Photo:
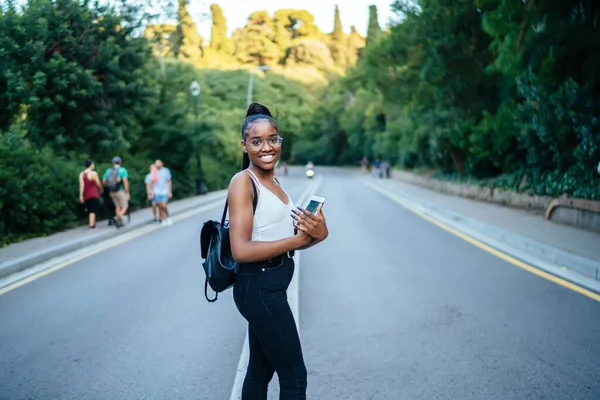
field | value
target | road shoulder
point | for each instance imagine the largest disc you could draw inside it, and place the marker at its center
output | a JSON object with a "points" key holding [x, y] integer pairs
{"points": [[574, 271], [18, 257]]}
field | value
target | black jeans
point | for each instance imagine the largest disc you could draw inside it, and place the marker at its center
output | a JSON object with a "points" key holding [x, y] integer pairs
{"points": [[260, 295]]}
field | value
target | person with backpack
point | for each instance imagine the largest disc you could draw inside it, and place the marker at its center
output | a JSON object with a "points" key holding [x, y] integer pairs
{"points": [[116, 181], [263, 241]]}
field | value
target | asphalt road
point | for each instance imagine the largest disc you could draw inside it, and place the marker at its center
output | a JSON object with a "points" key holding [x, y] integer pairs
{"points": [[391, 307]]}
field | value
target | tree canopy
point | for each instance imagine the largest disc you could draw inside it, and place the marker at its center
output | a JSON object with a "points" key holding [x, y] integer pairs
{"points": [[499, 91]]}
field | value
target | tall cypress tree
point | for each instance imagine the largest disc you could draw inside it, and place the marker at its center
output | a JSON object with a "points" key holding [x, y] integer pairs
{"points": [[338, 33], [338, 41], [189, 41], [355, 45], [374, 29], [218, 37]]}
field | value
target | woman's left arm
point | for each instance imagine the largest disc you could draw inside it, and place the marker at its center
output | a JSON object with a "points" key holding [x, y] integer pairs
{"points": [[97, 179]]}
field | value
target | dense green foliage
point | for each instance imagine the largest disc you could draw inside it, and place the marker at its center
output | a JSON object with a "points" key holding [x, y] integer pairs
{"points": [[80, 85], [500, 91], [32, 199]]}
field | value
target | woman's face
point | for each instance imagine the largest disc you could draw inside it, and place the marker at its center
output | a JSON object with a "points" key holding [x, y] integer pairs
{"points": [[263, 145], [92, 166]]}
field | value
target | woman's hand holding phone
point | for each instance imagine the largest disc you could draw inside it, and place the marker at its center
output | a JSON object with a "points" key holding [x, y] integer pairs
{"points": [[313, 225]]}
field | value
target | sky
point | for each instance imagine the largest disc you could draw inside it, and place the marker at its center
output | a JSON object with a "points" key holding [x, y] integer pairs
{"points": [[352, 12]]}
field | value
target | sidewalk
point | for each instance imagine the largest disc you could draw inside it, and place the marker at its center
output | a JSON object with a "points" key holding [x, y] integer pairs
{"points": [[18, 256], [525, 233]]}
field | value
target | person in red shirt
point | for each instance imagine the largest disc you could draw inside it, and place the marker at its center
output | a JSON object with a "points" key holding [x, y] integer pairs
{"points": [[89, 190]]}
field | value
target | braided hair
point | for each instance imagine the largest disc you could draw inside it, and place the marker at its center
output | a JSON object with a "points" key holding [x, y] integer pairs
{"points": [[256, 112]]}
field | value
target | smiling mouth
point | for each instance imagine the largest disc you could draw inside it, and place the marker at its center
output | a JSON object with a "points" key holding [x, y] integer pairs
{"points": [[267, 157]]}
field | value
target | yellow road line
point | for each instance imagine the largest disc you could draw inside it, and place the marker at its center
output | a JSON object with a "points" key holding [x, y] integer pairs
{"points": [[487, 248]]}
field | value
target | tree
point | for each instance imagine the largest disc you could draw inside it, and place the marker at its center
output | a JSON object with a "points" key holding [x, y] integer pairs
{"points": [[162, 37], [254, 44], [298, 23], [549, 81], [189, 44], [355, 45], [219, 40], [373, 29], [308, 52], [74, 75], [338, 46]]}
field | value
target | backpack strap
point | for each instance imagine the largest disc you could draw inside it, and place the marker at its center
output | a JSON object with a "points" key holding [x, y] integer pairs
{"points": [[254, 202], [206, 292]]}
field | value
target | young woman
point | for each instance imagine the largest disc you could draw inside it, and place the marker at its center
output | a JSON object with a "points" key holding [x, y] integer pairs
{"points": [[89, 190], [264, 244]]}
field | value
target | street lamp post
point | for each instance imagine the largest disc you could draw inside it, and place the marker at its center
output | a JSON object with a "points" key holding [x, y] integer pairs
{"points": [[200, 185], [251, 83]]}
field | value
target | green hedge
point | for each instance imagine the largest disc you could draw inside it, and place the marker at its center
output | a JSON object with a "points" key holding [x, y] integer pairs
{"points": [[38, 194], [553, 184]]}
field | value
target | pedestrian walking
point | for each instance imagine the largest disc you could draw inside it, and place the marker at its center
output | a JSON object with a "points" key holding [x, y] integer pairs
{"points": [[89, 191], [385, 169], [264, 244], [163, 191], [116, 180], [150, 180], [364, 163], [376, 170]]}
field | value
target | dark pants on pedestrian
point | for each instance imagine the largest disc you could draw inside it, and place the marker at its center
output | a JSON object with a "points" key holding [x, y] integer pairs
{"points": [[260, 295]]}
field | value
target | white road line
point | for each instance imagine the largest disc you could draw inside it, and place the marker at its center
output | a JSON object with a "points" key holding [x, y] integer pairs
{"points": [[293, 298], [236, 392], [294, 291]]}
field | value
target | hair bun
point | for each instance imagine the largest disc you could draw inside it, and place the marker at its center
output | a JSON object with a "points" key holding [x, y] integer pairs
{"points": [[257, 108]]}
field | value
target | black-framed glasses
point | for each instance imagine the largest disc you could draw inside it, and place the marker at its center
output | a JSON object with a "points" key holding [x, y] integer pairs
{"points": [[258, 143]]}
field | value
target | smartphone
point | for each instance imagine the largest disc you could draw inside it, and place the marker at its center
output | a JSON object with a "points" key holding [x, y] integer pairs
{"points": [[313, 204]]}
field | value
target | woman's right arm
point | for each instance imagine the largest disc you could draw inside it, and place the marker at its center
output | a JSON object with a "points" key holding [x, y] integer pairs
{"points": [[243, 248], [81, 186]]}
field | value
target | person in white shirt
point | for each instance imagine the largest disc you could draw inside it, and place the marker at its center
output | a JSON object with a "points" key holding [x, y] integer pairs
{"points": [[266, 228]]}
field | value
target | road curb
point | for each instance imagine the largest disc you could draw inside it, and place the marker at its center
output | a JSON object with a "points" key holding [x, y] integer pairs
{"points": [[21, 263], [573, 268]]}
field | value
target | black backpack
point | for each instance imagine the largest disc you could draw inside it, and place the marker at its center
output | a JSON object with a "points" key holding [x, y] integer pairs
{"points": [[219, 265]]}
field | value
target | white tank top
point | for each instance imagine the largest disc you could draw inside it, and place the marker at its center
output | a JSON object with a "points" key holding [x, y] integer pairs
{"points": [[272, 218]]}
